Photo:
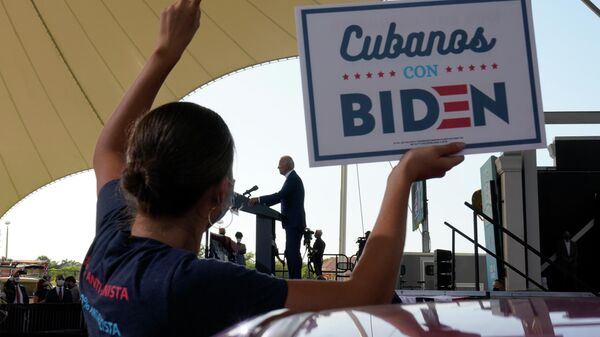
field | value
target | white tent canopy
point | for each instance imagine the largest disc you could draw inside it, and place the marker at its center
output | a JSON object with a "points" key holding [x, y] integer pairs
{"points": [[65, 64]]}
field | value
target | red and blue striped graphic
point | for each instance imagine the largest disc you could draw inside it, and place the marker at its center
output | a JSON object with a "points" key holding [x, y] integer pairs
{"points": [[454, 107]]}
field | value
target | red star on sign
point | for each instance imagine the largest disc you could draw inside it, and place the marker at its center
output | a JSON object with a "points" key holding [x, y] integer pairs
{"points": [[471, 67], [483, 66], [494, 66], [381, 73], [449, 69], [460, 68], [369, 75], [392, 73], [357, 76], [346, 77]]}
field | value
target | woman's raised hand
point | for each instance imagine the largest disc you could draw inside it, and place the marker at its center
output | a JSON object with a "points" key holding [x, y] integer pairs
{"points": [[178, 24]]}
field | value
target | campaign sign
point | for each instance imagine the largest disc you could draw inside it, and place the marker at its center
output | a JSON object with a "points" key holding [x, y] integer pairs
{"points": [[382, 78]]}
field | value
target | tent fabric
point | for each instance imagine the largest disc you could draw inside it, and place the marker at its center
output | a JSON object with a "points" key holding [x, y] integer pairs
{"points": [[65, 64]]}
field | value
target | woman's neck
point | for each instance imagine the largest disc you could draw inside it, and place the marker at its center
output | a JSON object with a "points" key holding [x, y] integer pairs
{"points": [[178, 232]]}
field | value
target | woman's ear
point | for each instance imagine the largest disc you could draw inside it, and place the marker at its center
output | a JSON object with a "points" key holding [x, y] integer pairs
{"points": [[213, 197], [221, 189], [212, 200]]}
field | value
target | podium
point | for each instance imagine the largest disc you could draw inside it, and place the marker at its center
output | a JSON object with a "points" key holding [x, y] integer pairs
{"points": [[265, 231]]}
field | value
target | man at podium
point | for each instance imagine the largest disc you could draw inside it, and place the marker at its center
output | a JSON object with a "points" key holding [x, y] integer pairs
{"points": [[291, 197]]}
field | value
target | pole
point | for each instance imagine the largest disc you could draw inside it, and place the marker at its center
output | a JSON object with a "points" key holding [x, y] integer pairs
{"points": [[6, 252], [476, 252], [425, 239], [592, 7], [343, 201], [453, 260], [206, 243]]}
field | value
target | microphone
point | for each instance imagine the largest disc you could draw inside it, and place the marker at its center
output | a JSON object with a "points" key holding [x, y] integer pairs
{"points": [[252, 189]]}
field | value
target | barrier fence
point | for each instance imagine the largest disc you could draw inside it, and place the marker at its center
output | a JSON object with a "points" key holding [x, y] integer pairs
{"points": [[64, 319], [343, 265]]}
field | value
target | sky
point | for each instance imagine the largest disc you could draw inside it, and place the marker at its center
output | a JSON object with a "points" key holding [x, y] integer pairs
{"points": [[263, 107]]}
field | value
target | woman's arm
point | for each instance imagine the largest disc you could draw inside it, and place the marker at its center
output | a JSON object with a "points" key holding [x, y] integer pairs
{"points": [[178, 24], [374, 277]]}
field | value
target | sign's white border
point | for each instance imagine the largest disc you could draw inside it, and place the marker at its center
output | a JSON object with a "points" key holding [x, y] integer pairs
{"points": [[317, 159]]}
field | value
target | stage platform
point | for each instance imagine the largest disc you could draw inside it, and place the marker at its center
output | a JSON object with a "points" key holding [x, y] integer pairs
{"points": [[417, 296]]}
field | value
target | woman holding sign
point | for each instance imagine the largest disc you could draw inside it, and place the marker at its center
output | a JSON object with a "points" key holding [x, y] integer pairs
{"points": [[142, 277]]}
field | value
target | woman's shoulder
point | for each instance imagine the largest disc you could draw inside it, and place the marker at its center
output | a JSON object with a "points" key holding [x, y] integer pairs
{"points": [[112, 207]]}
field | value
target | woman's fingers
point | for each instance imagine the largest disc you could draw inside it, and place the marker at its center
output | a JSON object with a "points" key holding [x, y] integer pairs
{"points": [[430, 162], [179, 23], [450, 148]]}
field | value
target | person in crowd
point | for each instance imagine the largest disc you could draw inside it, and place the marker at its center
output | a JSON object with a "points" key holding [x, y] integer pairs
{"points": [[41, 291], [317, 251], [362, 241], [59, 294], [498, 285], [291, 197], [165, 180], [240, 256], [222, 247], [566, 257], [2, 294], [71, 284], [15, 292]]}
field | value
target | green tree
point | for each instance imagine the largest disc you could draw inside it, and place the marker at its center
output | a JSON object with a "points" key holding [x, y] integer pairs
{"points": [[201, 251], [65, 267], [250, 260], [69, 264]]}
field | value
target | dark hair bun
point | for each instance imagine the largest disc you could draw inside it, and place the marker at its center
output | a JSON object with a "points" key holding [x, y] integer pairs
{"points": [[137, 182]]}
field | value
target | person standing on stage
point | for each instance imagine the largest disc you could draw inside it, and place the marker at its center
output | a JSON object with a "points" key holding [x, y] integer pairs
{"points": [[566, 257], [317, 251], [291, 197], [240, 255]]}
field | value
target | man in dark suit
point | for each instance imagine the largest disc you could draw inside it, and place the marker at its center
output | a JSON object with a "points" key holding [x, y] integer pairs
{"points": [[566, 257], [15, 292], [59, 294], [291, 197]]}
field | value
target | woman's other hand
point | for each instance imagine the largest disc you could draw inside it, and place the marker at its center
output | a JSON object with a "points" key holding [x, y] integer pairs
{"points": [[429, 162]]}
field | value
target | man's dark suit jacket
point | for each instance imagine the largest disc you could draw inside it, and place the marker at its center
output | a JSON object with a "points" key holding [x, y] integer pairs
{"points": [[11, 294], [52, 296], [291, 198], [564, 256]]}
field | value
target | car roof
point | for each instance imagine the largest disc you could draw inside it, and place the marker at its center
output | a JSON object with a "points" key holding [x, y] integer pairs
{"points": [[485, 317]]}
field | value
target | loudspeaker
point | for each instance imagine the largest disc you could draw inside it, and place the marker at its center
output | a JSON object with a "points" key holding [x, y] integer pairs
{"points": [[576, 153], [442, 264]]}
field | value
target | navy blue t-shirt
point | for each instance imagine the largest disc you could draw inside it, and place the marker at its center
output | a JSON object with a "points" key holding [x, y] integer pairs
{"points": [[133, 286]]}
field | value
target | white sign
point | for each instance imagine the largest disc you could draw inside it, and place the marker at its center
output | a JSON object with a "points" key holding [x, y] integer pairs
{"points": [[382, 78]]}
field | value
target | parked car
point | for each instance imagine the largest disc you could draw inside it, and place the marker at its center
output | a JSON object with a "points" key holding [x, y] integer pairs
{"points": [[569, 317]]}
